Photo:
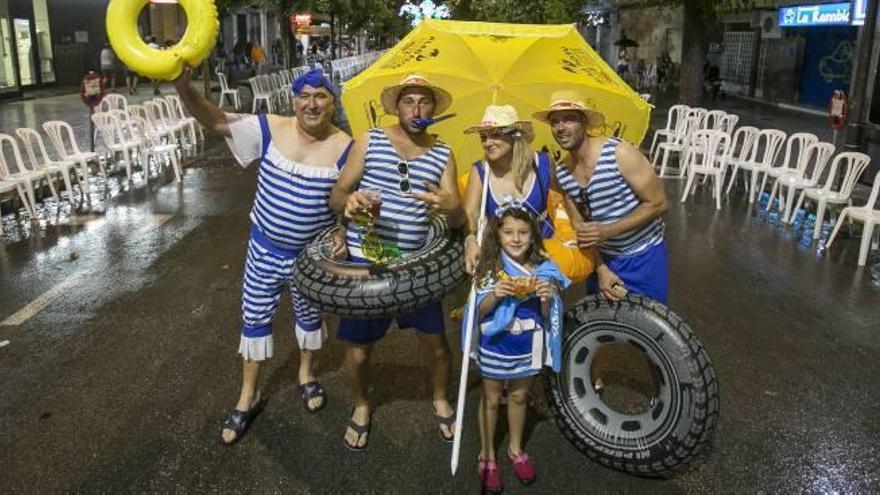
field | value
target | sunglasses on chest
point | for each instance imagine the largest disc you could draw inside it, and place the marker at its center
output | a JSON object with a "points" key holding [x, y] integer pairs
{"points": [[403, 172]]}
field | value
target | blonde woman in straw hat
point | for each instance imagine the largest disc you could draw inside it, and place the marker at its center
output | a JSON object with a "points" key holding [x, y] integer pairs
{"points": [[515, 172], [614, 198]]}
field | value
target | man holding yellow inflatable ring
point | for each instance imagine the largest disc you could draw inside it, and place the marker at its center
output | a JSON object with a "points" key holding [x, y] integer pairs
{"points": [[300, 161]]}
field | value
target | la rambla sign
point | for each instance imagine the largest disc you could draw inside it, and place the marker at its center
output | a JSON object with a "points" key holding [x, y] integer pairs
{"points": [[828, 14]]}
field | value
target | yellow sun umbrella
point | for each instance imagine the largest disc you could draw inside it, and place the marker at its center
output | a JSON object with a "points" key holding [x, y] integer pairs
{"points": [[482, 63]]}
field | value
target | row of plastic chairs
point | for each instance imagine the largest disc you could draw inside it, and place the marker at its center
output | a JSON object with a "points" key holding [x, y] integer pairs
{"points": [[271, 89], [344, 69], [166, 114], [803, 168], [153, 130], [682, 122], [24, 176]]}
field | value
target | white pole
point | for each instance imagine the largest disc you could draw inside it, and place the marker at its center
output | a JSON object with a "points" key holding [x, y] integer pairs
{"points": [[468, 333]]}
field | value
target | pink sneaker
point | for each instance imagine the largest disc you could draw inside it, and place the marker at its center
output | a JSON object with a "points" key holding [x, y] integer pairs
{"points": [[524, 468], [491, 477]]}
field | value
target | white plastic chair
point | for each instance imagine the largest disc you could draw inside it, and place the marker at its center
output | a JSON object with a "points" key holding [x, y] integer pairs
{"points": [[113, 101], [855, 164], [700, 112], [8, 186], [169, 118], [728, 123], [766, 148], [820, 154], [712, 120], [740, 146], [26, 176], [675, 113], [116, 139], [160, 125], [678, 142], [795, 147], [225, 90], [178, 112], [868, 215], [260, 94], [57, 131], [152, 147], [709, 162], [283, 91], [40, 160]]}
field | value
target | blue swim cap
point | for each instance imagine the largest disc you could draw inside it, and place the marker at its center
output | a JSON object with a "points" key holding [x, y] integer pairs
{"points": [[314, 78]]}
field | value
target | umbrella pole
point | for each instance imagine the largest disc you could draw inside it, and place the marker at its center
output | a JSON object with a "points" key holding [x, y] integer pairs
{"points": [[468, 334]]}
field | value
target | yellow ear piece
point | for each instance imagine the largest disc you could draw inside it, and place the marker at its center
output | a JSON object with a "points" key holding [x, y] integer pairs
{"points": [[193, 48]]}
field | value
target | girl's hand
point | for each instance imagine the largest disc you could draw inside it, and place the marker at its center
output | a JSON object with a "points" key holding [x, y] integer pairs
{"points": [[544, 290], [504, 288], [471, 255]]}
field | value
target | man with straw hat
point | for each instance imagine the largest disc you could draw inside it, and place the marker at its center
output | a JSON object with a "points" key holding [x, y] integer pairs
{"points": [[411, 174], [615, 199]]}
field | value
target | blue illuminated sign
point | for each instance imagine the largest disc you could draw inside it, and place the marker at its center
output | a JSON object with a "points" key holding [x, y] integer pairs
{"points": [[859, 7], [827, 14]]}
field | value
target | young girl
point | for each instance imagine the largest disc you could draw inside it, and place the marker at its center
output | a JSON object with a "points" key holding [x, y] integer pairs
{"points": [[519, 331]]}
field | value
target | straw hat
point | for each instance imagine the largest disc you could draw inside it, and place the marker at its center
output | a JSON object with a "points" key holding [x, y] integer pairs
{"points": [[571, 100], [390, 95], [502, 117]]}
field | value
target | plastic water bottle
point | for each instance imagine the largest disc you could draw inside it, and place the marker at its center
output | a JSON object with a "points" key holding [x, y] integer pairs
{"points": [[798, 221], [762, 203], [824, 234], [773, 217], [807, 236]]}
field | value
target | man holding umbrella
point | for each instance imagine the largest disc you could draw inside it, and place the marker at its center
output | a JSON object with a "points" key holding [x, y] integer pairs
{"points": [[412, 174], [615, 199]]}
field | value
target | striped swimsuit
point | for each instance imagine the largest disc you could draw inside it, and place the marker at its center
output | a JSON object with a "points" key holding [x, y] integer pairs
{"points": [[535, 198], [515, 353], [404, 219], [290, 209], [637, 256], [403, 222]]}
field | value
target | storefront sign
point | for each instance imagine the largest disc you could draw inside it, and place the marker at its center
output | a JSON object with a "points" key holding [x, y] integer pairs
{"points": [[829, 14], [300, 23]]}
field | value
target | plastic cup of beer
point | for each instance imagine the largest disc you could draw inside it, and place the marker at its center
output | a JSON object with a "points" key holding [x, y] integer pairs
{"points": [[375, 197]]}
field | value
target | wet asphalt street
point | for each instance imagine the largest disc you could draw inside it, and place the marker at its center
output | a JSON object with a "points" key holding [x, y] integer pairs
{"points": [[122, 326]]}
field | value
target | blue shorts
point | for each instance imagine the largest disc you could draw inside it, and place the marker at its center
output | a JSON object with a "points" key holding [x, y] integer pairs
{"points": [[645, 273], [428, 319]]}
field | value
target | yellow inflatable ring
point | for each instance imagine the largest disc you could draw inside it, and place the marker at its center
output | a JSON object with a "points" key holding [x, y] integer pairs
{"points": [[197, 42], [576, 264]]}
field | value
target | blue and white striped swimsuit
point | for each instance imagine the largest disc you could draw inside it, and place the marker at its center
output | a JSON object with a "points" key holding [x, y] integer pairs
{"points": [[514, 353], [609, 198], [404, 220], [292, 201], [290, 209]]}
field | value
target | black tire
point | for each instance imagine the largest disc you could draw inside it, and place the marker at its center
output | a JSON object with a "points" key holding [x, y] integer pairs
{"points": [[375, 291], [679, 420]]}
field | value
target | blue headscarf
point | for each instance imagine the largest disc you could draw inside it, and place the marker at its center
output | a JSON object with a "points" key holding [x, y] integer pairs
{"points": [[314, 78]]}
